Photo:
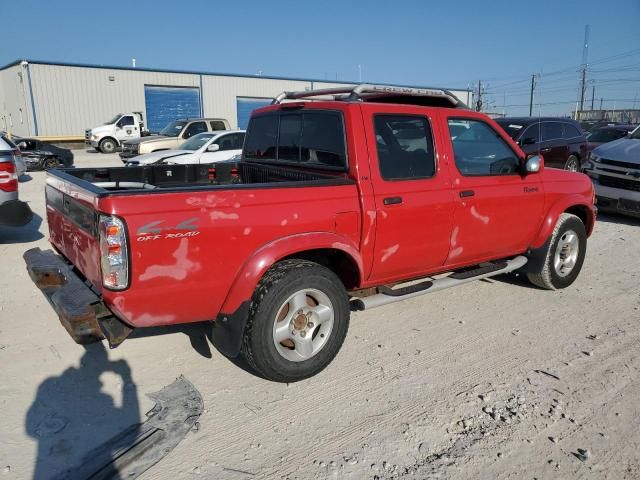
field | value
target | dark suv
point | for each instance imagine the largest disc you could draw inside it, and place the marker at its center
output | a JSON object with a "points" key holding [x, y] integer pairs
{"points": [[561, 141]]}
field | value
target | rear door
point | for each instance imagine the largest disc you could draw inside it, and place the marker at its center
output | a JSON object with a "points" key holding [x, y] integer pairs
{"points": [[498, 210], [413, 198], [554, 147]]}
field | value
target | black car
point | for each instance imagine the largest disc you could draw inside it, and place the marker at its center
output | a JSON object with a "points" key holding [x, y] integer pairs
{"points": [[591, 125], [561, 141], [39, 155]]}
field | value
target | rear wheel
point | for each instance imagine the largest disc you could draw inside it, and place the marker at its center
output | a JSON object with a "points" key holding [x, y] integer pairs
{"points": [[572, 164], [565, 255], [108, 145], [298, 320]]}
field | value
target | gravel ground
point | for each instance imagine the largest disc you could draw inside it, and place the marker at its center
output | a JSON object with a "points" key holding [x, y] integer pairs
{"points": [[495, 379]]}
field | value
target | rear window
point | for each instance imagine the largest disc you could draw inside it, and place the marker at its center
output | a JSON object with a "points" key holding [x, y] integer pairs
{"points": [[571, 131], [312, 138]]}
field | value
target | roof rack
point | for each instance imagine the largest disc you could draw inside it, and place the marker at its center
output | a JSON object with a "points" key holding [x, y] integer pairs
{"points": [[378, 93]]}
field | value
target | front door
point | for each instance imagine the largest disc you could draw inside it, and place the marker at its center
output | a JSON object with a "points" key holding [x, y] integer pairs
{"points": [[413, 198], [127, 128], [230, 145], [498, 209]]}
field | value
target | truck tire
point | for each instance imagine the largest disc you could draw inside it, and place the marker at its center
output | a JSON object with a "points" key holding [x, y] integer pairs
{"points": [[565, 254], [108, 145], [298, 320]]}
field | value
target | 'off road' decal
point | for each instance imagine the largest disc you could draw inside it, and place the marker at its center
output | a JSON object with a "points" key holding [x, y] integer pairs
{"points": [[156, 230]]}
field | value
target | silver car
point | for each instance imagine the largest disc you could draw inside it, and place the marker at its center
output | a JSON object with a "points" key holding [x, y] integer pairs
{"points": [[13, 212], [614, 168]]}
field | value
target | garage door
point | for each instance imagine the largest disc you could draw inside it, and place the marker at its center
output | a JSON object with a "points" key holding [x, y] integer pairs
{"points": [[246, 105], [166, 104]]}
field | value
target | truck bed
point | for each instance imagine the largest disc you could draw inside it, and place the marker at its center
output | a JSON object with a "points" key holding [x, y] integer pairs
{"points": [[165, 178]]}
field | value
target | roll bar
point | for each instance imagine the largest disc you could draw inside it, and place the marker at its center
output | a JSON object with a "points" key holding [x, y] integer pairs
{"points": [[377, 93]]}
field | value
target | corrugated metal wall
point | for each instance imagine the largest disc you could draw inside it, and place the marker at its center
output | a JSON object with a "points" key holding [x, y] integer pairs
{"points": [[68, 99], [15, 105]]}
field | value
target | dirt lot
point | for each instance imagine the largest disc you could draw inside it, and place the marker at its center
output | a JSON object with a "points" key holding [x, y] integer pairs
{"points": [[495, 379]]}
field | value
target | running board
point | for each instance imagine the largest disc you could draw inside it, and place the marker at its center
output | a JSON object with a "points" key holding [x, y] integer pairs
{"points": [[452, 280]]}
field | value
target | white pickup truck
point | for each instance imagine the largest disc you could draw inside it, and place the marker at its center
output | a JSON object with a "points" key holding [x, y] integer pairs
{"points": [[108, 137]]}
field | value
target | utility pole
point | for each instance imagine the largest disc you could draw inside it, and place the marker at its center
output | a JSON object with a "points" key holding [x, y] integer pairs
{"points": [[479, 101], [593, 95], [601, 99], [533, 86], [585, 54]]}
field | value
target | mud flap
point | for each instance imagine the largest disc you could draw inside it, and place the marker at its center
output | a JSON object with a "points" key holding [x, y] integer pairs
{"points": [[135, 450]]}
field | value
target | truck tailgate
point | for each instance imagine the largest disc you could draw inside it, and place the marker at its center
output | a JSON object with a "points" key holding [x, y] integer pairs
{"points": [[73, 227]]}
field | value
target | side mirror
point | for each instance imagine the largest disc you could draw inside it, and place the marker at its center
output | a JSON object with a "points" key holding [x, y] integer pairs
{"points": [[214, 147], [533, 164], [528, 141]]}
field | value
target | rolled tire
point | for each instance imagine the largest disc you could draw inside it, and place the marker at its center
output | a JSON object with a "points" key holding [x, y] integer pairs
{"points": [[108, 145], [572, 164], [298, 320], [565, 255]]}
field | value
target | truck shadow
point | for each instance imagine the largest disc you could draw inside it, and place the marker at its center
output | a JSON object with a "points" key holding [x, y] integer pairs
{"points": [[25, 234], [199, 335], [71, 415]]}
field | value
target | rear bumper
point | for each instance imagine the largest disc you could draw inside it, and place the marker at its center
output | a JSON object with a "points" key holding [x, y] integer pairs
{"points": [[79, 308], [15, 213]]}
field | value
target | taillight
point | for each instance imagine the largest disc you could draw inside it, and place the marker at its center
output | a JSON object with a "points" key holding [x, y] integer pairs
{"points": [[113, 253], [8, 177]]}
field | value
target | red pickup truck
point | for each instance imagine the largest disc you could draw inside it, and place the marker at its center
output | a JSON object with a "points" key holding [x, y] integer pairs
{"points": [[344, 199]]}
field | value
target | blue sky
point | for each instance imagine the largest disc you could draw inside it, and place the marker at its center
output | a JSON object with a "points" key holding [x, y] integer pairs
{"points": [[448, 44]]}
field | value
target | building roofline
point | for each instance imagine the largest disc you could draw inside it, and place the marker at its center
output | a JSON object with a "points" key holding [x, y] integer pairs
{"points": [[195, 72]]}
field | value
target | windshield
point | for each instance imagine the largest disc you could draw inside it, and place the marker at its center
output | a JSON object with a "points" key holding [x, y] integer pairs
{"points": [[635, 134], [114, 119], [512, 129], [196, 142], [173, 129], [605, 135]]}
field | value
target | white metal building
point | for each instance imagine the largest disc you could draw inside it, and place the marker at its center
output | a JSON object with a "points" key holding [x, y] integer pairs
{"points": [[63, 99]]}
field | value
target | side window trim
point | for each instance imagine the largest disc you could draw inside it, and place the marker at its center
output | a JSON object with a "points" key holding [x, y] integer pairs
{"points": [[429, 123]]}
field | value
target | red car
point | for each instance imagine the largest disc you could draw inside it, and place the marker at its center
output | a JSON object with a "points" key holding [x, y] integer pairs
{"points": [[347, 202]]}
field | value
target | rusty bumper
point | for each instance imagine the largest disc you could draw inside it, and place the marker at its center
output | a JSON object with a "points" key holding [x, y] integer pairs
{"points": [[79, 308]]}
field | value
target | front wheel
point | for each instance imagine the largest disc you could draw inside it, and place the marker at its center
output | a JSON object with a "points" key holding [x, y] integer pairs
{"points": [[298, 320], [565, 255], [108, 145], [49, 163]]}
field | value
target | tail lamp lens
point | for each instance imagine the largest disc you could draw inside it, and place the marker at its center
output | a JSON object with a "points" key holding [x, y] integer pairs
{"points": [[8, 177], [113, 253]]}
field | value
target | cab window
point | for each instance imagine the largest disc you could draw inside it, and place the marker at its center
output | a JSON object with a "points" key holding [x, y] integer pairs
{"points": [[126, 121], [405, 147], [195, 128], [217, 125], [481, 151]]}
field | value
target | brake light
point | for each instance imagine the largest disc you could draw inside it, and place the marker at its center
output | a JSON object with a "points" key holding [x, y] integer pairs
{"points": [[8, 177], [113, 253]]}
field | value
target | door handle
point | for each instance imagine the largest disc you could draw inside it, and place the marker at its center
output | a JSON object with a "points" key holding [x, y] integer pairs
{"points": [[467, 193], [545, 150], [392, 200]]}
